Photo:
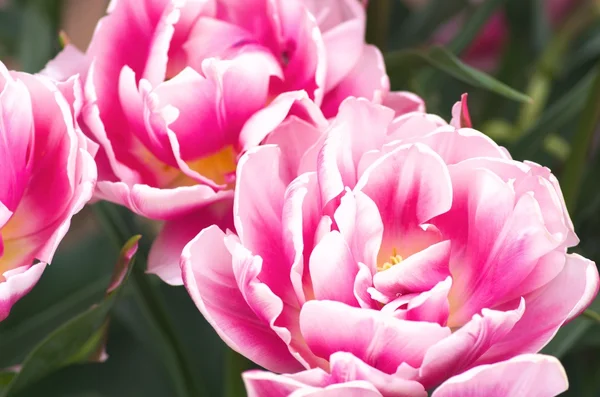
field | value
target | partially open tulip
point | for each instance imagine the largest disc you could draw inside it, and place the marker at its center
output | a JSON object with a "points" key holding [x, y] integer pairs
{"points": [[170, 84], [46, 176], [418, 249]]}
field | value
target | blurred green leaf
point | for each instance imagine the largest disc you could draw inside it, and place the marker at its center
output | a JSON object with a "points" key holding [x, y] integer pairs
{"points": [[401, 65], [553, 119], [569, 334], [235, 364], [38, 38], [422, 23], [573, 174], [477, 19], [78, 339]]}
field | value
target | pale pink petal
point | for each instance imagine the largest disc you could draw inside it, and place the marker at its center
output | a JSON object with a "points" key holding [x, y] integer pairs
{"points": [[258, 207], [294, 137], [333, 270], [345, 367], [165, 254], [16, 285], [417, 273], [367, 79], [266, 120], [303, 228], [358, 220], [380, 340], [431, 306], [150, 202], [531, 375], [266, 384], [461, 350], [69, 62], [576, 285], [359, 127], [403, 102], [208, 275]]}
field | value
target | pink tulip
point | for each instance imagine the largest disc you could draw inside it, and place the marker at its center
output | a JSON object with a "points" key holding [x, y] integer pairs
{"points": [[46, 176], [416, 249], [170, 84]]}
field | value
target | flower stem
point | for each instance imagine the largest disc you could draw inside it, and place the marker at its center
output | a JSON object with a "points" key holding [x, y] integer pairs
{"points": [[152, 306], [592, 315]]}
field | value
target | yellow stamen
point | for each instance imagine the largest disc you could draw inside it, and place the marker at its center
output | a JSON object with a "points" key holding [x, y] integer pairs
{"points": [[393, 261]]}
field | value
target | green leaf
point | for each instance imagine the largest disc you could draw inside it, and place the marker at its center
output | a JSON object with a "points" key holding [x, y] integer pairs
{"points": [[401, 65], [235, 364], [553, 119], [572, 176], [79, 339]]}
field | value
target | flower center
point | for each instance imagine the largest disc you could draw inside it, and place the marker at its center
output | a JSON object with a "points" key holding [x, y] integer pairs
{"points": [[217, 166], [393, 261]]}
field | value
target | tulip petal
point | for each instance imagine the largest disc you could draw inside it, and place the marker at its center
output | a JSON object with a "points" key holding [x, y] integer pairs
{"points": [[376, 338], [531, 375], [333, 270], [17, 283], [165, 254], [208, 275], [367, 79], [461, 350], [410, 186], [577, 285], [346, 142]]}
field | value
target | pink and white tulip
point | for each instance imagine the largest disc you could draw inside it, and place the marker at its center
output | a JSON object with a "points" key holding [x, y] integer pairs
{"points": [[401, 249], [169, 85], [46, 176]]}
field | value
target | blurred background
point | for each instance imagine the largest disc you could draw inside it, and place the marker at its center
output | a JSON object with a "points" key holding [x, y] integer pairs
{"points": [[546, 49]]}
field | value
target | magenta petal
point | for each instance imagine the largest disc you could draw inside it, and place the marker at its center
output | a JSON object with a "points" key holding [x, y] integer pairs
{"points": [[461, 350], [18, 283], [378, 339], [17, 137], [208, 275], [531, 375]]}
